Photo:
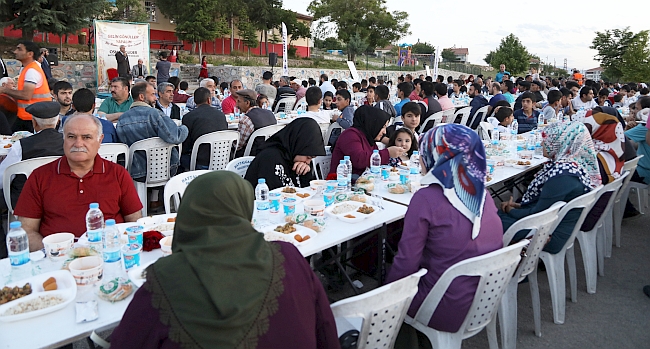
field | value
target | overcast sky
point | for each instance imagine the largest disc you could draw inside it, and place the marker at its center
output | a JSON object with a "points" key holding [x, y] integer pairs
{"points": [[480, 25]]}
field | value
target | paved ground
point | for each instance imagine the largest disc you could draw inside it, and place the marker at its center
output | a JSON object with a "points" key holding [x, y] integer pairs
{"points": [[617, 316]]}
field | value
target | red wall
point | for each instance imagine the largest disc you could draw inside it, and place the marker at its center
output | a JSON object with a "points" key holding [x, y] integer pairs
{"points": [[218, 46]]}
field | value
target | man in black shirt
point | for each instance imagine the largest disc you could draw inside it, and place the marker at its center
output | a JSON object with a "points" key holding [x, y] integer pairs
{"points": [[200, 121]]}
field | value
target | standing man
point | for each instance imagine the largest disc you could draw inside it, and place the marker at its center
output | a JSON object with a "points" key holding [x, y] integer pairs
{"points": [[45, 64], [139, 70], [63, 94], [162, 68], [502, 71], [122, 62], [265, 88], [164, 103], [325, 85], [32, 85]]}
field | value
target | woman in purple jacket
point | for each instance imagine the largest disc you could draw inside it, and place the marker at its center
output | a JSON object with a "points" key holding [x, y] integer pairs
{"points": [[358, 142], [451, 220]]}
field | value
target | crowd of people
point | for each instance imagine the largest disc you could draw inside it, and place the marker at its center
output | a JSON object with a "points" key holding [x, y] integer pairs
{"points": [[216, 251]]}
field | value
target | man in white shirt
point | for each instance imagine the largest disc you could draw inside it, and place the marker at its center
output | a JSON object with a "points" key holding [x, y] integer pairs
{"points": [[314, 99], [585, 99], [325, 85]]}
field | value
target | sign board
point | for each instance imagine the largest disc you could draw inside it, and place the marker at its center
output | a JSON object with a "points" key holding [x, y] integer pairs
{"points": [[109, 36], [353, 71]]}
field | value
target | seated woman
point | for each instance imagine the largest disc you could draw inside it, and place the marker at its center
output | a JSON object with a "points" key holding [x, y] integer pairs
{"points": [[285, 158], [451, 220], [224, 286], [571, 172], [358, 142]]}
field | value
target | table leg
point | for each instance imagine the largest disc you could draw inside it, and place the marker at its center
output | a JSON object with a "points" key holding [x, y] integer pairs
{"points": [[381, 255]]}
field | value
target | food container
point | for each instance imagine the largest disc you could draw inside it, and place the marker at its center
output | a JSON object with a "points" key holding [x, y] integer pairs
{"points": [[134, 235], [385, 172], [274, 199], [498, 160], [526, 154], [314, 208], [131, 254], [289, 206], [315, 184], [87, 270], [166, 245], [58, 246], [404, 176]]}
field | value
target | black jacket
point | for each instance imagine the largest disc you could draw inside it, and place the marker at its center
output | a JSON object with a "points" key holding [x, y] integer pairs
{"points": [[176, 111]]}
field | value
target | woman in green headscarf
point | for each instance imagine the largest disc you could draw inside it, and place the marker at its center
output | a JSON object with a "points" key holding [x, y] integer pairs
{"points": [[224, 286]]}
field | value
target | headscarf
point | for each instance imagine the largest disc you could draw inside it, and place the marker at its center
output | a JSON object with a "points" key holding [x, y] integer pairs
{"points": [[608, 136], [571, 151], [302, 136], [454, 158], [220, 286], [370, 121]]}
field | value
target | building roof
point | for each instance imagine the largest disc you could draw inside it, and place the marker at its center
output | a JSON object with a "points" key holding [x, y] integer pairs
{"points": [[594, 70], [304, 17], [386, 48], [459, 51]]}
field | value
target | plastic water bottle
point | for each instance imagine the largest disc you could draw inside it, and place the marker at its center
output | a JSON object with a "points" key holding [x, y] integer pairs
{"points": [[94, 226], [342, 176], [18, 248], [265, 105], [348, 164], [262, 205], [495, 136], [414, 163], [375, 163], [112, 253], [303, 107], [530, 141], [226, 93], [515, 126], [540, 119], [538, 143]]}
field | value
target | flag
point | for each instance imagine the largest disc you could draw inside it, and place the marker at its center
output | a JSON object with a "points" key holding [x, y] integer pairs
{"points": [[285, 60]]}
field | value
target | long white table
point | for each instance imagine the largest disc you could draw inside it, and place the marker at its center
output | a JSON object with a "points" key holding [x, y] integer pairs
{"points": [[59, 328]]}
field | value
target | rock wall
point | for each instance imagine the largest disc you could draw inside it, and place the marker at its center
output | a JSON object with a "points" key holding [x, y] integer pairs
{"points": [[79, 74]]}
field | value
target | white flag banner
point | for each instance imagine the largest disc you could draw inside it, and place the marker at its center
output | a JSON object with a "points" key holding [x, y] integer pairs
{"points": [[435, 63], [285, 59], [353, 71]]}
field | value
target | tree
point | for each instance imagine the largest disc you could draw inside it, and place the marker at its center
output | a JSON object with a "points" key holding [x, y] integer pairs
{"points": [[127, 11], [512, 53], [331, 44], [265, 15], [488, 57], [195, 19], [356, 45], [423, 48], [612, 45], [369, 19], [52, 16], [248, 33], [636, 59], [295, 28], [448, 55]]}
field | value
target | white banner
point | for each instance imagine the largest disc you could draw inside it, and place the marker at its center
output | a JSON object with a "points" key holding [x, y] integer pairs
{"points": [[435, 63], [285, 59], [109, 36], [353, 71]]}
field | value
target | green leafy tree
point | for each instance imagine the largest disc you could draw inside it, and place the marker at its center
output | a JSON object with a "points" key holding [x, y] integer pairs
{"points": [[265, 15], [356, 46], [512, 53], [423, 48], [332, 44], [612, 45], [52, 16], [448, 55], [295, 28], [127, 11], [248, 33], [369, 19], [636, 59], [488, 57]]}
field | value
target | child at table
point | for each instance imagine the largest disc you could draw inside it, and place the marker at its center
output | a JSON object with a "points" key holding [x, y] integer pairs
{"points": [[263, 101], [328, 97], [410, 119], [502, 119], [405, 139]]}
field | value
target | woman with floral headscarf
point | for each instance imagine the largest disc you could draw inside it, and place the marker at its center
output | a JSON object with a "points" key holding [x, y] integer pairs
{"points": [[450, 220], [571, 172]]}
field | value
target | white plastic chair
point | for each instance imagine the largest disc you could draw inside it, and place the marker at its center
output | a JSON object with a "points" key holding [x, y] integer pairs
{"points": [[641, 190], [158, 157], [480, 114], [25, 167], [221, 147], [464, 114], [321, 166], [111, 151], [287, 104], [495, 270], [297, 104], [592, 243], [330, 129], [484, 130], [555, 262], [176, 186], [240, 165], [541, 225], [436, 118], [619, 206], [265, 132], [382, 309], [448, 116]]}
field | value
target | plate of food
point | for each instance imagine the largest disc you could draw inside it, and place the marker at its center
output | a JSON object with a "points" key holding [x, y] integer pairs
{"points": [[289, 232], [522, 164], [138, 275], [37, 295], [294, 192], [163, 223], [352, 211]]}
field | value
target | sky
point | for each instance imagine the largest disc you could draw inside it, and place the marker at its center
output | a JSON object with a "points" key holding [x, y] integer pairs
{"points": [[565, 34]]}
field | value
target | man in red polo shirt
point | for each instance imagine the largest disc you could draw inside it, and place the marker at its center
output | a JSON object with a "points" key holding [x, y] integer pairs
{"points": [[57, 195]]}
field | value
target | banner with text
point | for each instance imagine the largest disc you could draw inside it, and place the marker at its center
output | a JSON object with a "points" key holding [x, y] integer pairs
{"points": [[285, 59], [109, 36]]}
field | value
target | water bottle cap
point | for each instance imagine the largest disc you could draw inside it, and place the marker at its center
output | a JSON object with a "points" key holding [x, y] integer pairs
{"points": [[342, 162], [261, 180], [14, 225], [415, 152], [94, 205], [346, 157], [375, 151], [110, 222]]}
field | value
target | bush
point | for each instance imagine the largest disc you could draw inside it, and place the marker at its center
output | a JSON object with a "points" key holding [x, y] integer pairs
{"points": [[187, 59], [291, 51], [236, 53]]}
